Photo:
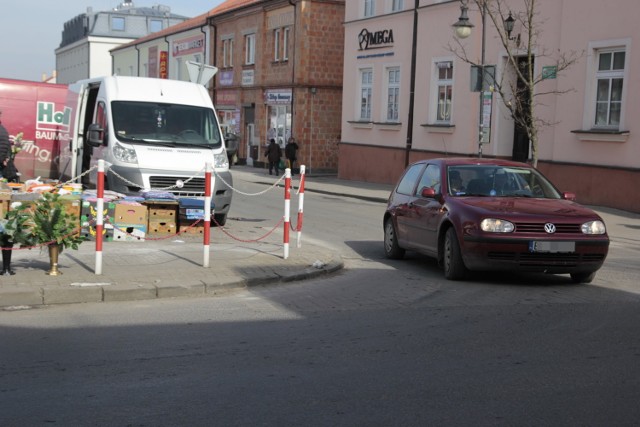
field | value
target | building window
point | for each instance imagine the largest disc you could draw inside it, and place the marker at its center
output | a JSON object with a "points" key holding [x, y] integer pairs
{"points": [[155, 25], [250, 49], [609, 85], [393, 93], [369, 8], [276, 44], [285, 44], [117, 23], [444, 72], [366, 88], [227, 53], [397, 5], [279, 123]]}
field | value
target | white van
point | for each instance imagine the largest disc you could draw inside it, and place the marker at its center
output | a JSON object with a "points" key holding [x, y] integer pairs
{"points": [[151, 133]]}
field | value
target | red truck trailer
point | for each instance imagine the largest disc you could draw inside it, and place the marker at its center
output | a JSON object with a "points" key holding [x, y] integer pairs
{"points": [[37, 110]]}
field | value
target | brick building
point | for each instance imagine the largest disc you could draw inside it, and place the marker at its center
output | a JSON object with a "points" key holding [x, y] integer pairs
{"points": [[281, 66]]}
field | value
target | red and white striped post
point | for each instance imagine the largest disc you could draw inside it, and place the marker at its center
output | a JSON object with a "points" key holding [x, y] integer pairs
{"points": [[99, 216], [300, 205], [287, 208], [207, 213]]}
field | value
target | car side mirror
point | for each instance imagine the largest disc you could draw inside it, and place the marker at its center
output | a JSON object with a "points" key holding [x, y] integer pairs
{"points": [[428, 192], [567, 195], [96, 135]]}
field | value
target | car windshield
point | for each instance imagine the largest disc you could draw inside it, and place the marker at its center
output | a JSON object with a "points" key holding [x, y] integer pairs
{"points": [[165, 124], [498, 181]]}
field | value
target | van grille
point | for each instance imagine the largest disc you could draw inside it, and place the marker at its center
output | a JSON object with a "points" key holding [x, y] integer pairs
{"points": [[194, 187]]}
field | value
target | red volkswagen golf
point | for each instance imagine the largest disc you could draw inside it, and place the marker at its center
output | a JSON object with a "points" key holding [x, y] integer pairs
{"points": [[492, 215]]}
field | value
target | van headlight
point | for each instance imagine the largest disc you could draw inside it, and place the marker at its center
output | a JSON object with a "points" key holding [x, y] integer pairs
{"points": [[593, 227], [220, 161], [127, 155], [493, 225]]}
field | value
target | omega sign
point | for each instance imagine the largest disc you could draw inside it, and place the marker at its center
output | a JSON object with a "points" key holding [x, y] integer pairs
{"points": [[375, 40]]}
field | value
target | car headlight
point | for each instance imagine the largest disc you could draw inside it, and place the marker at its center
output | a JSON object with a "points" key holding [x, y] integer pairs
{"points": [[493, 225], [220, 161], [127, 155], [593, 227]]}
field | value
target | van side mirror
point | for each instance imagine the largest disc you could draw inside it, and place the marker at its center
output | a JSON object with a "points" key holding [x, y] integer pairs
{"points": [[96, 135], [428, 192]]}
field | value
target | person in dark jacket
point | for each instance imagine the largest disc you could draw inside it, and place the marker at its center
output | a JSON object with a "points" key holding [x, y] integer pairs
{"points": [[291, 152], [5, 149], [273, 154]]}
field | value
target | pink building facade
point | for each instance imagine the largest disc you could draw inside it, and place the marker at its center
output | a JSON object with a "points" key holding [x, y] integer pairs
{"points": [[411, 96]]}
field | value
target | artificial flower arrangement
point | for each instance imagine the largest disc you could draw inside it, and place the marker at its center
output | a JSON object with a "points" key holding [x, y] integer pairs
{"points": [[17, 144]]}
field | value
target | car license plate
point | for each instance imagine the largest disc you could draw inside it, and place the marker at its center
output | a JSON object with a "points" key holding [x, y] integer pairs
{"points": [[546, 246]]}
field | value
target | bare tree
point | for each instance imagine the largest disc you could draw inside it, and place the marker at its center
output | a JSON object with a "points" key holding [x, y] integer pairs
{"points": [[517, 87]]}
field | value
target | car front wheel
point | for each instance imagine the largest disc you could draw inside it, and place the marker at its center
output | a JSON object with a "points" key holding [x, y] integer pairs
{"points": [[454, 268], [583, 277], [391, 248]]}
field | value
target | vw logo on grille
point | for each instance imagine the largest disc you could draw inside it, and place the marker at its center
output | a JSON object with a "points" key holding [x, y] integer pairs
{"points": [[549, 228]]}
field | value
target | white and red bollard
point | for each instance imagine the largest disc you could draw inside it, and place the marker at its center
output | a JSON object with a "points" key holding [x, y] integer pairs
{"points": [[207, 213], [99, 216], [300, 206], [287, 208]]}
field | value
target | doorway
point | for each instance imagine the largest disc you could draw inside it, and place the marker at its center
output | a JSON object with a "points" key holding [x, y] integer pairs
{"points": [[521, 141]]}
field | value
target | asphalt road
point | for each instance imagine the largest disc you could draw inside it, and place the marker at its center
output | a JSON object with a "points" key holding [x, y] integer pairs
{"points": [[382, 343]]}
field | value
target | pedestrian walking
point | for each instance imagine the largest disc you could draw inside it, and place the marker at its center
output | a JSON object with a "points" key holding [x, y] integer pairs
{"points": [[7, 168], [273, 155], [291, 153]]}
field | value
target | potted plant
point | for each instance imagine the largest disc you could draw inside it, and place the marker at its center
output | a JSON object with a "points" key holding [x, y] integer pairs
{"points": [[44, 222], [15, 228]]}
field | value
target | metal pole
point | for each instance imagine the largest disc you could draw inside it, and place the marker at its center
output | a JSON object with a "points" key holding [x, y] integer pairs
{"points": [[483, 12]]}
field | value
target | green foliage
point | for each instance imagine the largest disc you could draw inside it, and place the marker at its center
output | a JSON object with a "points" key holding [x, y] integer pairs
{"points": [[44, 221]]}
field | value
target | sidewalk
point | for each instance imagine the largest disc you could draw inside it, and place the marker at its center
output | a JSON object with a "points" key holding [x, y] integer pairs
{"points": [[173, 267]]}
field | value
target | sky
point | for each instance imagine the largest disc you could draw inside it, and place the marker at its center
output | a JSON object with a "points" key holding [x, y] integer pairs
{"points": [[31, 30]]}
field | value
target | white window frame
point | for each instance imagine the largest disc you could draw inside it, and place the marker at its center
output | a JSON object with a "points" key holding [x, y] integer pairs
{"points": [[445, 83], [608, 75], [392, 104], [365, 111], [276, 44], [155, 23], [369, 8], [227, 53], [397, 5], [250, 49], [594, 48], [285, 43]]}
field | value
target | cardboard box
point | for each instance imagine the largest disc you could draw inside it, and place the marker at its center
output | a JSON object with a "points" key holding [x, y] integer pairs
{"points": [[161, 227], [88, 212], [131, 233], [188, 230], [162, 211], [130, 215], [89, 233]]}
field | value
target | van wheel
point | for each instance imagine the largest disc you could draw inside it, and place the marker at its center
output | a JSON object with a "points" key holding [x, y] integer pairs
{"points": [[220, 219], [454, 268]]}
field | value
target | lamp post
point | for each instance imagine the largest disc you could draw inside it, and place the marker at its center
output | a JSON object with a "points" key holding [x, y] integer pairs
{"points": [[463, 30]]}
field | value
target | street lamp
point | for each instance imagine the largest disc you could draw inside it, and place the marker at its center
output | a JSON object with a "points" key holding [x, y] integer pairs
{"points": [[463, 30]]}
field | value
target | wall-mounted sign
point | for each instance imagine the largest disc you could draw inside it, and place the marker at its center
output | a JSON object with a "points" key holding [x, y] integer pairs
{"points": [[281, 96], [376, 40], [188, 46], [226, 78], [549, 72], [248, 77], [164, 64]]}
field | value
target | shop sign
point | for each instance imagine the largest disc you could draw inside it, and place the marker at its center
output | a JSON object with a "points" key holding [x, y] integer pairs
{"points": [[152, 70], [188, 46], [226, 78], [247, 77], [375, 40], [164, 66], [226, 97], [278, 96]]}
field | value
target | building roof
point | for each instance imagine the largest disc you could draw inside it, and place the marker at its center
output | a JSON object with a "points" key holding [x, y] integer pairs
{"points": [[189, 24]]}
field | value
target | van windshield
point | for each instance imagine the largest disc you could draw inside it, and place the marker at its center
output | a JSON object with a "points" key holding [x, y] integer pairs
{"points": [[165, 124]]}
